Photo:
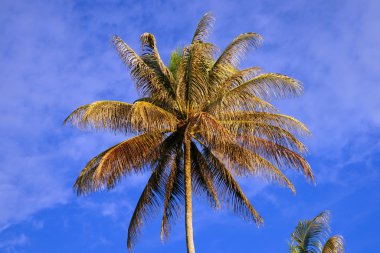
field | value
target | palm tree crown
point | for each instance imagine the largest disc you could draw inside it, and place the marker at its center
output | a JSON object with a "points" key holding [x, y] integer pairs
{"points": [[201, 122], [311, 236]]}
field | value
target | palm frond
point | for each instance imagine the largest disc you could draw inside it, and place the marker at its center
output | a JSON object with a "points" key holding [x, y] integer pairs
{"points": [[148, 117], [140, 116], [240, 101], [112, 115], [174, 195], [174, 62], [229, 60], [268, 86], [152, 58], [230, 190], [204, 28], [148, 81], [272, 133], [277, 154], [280, 120], [140, 72], [294, 249], [85, 182], [334, 244], [211, 134], [309, 234], [244, 162], [237, 79], [203, 179], [147, 205], [183, 77], [264, 86], [193, 75], [154, 191], [209, 129], [107, 168]]}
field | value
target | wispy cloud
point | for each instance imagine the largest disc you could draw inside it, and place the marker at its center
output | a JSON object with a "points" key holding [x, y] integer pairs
{"points": [[11, 244]]}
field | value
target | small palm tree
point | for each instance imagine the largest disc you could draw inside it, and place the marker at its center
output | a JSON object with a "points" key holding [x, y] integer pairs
{"points": [[311, 236], [200, 122]]}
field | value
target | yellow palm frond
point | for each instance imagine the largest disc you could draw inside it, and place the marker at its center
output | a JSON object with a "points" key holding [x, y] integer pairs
{"points": [[277, 154], [230, 58], [140, 116], [238, 102], [193, 75], [244, 162], [147, 117], [152, 58], [334, 245], [174, 195], [269, 132], [149, 82], [112, 115], [265, 86], [105, 169], [204, 28], [230, 190], [280, 120], [154, 190], [237, 79], [203, 178]]}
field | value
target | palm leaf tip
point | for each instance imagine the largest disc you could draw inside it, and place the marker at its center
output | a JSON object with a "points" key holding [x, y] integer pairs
{"points": [[239, 47], [334, 244], [204, 28], [312, 236], [147, 39]]}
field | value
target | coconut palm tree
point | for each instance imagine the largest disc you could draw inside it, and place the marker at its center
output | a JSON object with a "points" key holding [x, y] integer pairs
{"points": [[199, 124], [311, 236]]}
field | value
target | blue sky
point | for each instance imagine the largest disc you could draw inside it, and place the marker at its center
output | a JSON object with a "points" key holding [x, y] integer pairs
{"points": [[57, 55]]}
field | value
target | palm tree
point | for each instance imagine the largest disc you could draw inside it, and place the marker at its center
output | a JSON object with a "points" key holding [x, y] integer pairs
{"points": [[200, 123], [311, 236]]}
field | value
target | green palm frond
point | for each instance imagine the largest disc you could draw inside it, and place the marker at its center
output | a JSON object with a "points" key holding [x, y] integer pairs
{"points": [[174, 62], [310, 234], [264, 86]]}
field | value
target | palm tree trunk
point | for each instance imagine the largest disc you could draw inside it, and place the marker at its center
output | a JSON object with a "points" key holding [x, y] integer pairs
{"points": [[188, 199]]}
